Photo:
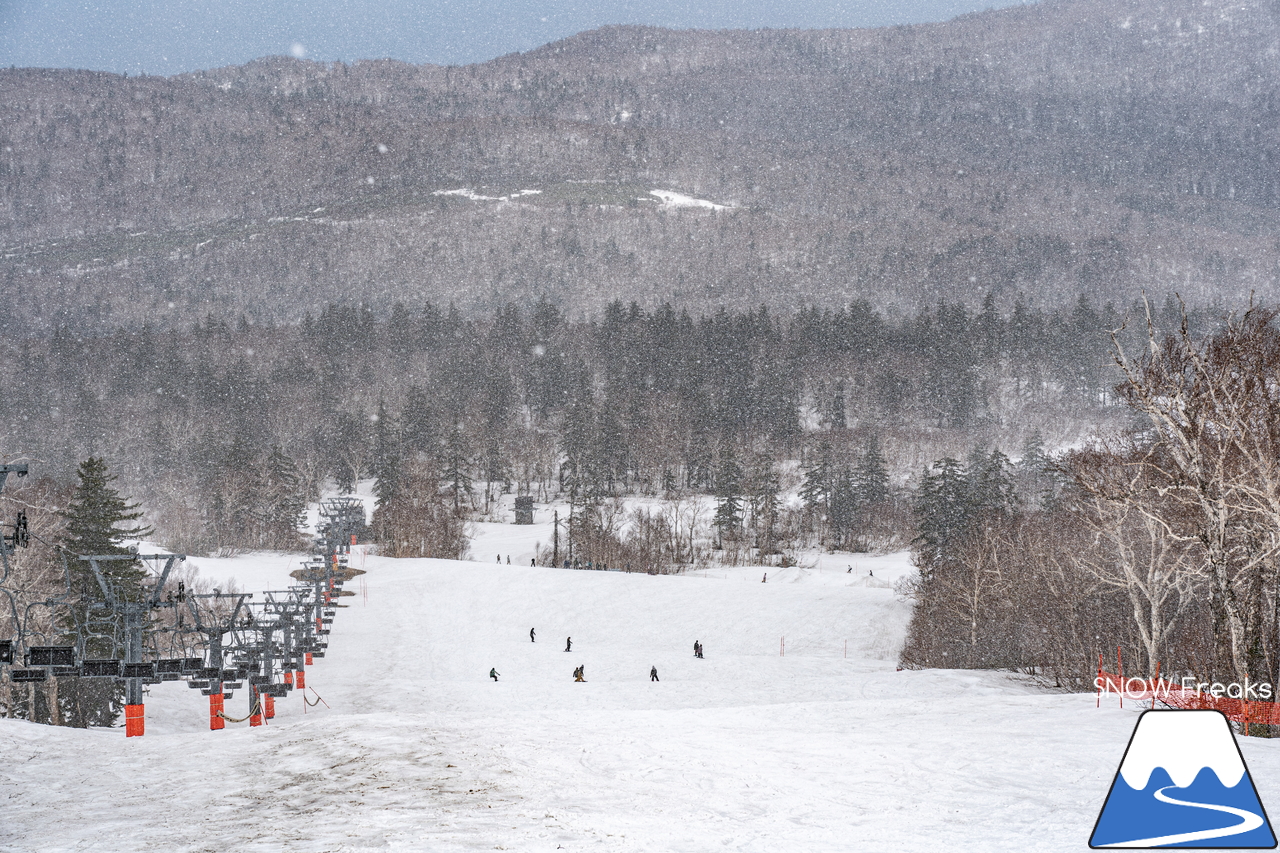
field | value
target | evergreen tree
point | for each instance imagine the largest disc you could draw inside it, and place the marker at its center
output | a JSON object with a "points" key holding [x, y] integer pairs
{"points": [[991, 486], [838, 420], [456, 476], [97, 521], [1037, 484], [284, 504], [94, 516], [843, 517], [387, 458], [728, 517], [943, 511], [766, 505], [871, 480], [816, 489]]}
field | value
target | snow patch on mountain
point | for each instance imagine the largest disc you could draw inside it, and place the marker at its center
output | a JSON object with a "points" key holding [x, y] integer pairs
{"points": [[674, 199]]}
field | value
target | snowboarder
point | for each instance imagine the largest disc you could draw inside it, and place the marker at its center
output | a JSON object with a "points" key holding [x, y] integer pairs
{"points": [[531, 639], [850, 571], [653, 673], [765, 579], [578, 674], [568, 643], [493, 673]]}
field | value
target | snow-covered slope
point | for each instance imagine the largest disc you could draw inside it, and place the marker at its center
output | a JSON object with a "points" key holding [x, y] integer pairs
{"points": [[743, 750]]}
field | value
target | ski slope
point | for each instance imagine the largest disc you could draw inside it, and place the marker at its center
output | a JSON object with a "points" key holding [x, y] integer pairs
{"points": [[745, 750]]}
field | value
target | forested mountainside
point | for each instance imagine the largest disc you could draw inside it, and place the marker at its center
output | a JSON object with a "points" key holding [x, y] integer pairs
{"points": [[1066, 148], [533, 402]]}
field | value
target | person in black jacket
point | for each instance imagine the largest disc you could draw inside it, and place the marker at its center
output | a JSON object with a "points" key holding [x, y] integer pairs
{"points": [[493, 673], [653, 673], [568, 643], [531, 639]]}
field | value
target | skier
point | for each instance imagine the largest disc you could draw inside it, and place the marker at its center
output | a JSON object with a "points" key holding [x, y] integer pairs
{"points": [[765, 579], [578, 674], [493, 673], [653, 673], [568, 643], [531, 639]]}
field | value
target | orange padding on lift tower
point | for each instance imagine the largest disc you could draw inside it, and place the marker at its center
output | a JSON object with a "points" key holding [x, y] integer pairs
{"points": [[269, 706], [134, 722], [309, 661], [215, 713], [300, 679]]}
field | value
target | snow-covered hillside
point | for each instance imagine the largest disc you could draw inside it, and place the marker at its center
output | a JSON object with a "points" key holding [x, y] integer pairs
{"points": [[418, 750]]}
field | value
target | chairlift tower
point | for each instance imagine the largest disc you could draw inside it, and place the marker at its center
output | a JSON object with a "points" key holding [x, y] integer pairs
{"points": [[215, 681], [134, 670], [20, 538], [341, 521]]}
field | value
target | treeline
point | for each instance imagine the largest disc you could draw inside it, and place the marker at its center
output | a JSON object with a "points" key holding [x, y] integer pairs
{"points": [[224, 429], [1163, 539]]}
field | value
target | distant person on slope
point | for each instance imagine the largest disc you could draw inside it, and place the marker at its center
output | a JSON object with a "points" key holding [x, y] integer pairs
{"points": [[568, 643], [653, 673], [493, 673], [531, 639], [765, 579], [578, 674]]}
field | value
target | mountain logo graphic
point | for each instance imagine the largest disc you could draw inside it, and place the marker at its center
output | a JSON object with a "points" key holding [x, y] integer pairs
{"points": [[1183, 783]]}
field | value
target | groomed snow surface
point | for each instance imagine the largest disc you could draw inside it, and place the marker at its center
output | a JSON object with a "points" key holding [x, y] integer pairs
{"points": [[745, 750]]}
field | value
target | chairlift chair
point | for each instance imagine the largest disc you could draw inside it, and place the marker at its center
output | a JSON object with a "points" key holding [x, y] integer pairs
{"points": [[101, 668]]}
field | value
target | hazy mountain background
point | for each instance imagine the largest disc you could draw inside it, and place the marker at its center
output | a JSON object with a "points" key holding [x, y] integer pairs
{"points": [[1067, 148]]}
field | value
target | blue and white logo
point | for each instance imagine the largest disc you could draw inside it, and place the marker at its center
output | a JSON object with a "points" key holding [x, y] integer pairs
{"points": [[1183, 783]]}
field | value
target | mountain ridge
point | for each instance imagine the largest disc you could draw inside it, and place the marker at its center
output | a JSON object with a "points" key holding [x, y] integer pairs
{"points": [[1053, 150]]}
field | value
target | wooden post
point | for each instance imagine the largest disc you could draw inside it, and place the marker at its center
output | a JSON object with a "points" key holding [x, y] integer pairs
{"points": [[782, 647]]}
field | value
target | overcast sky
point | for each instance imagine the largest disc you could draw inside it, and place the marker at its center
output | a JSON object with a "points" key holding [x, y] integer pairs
{"points": [[171, 36]]}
